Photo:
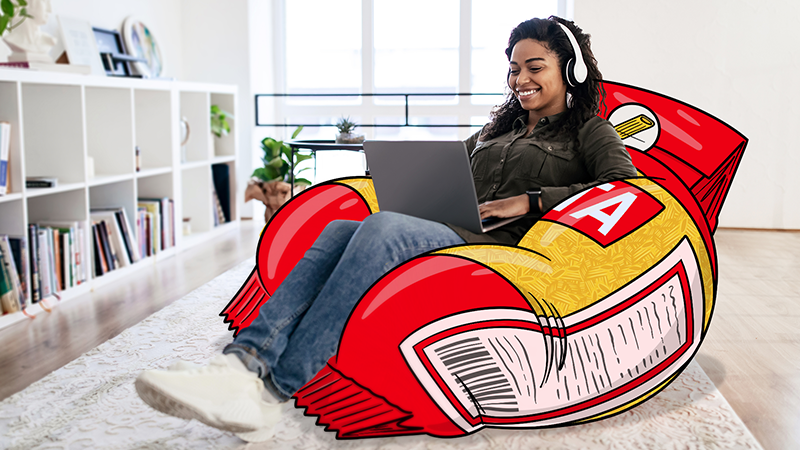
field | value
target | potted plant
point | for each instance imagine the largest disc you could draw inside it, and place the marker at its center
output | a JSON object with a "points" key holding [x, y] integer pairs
{"points": [[270, 183], [219, 121], [8, 11], [346, 135]]}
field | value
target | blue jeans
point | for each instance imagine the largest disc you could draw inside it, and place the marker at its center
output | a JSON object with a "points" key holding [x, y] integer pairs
{"points": [[298, 329]]}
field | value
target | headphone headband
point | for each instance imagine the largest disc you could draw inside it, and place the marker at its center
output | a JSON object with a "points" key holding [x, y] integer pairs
{"points": [[575, 70]]}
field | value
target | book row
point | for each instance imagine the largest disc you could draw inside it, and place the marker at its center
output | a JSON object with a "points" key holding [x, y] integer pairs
{"points": [[53, 256], [5, 144]]}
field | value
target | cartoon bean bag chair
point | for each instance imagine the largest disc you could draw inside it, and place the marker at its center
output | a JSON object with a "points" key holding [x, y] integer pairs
{"points": [[601, 305]]}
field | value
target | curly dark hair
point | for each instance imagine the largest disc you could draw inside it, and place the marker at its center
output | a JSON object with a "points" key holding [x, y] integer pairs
{"points": [[586, 97]]}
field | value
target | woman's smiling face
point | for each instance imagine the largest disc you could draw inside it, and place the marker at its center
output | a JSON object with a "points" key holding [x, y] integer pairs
{"points": [[535, 78]]}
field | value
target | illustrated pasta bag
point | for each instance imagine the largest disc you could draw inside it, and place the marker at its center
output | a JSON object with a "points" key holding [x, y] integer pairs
{"points": [[601, 305]]}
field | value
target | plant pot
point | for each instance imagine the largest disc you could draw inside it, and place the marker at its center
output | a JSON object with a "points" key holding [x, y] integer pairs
{"points": [[349, 138], [272, 194]]}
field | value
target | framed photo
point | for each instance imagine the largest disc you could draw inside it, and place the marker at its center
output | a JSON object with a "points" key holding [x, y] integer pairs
{"points": [[80, 45], [111, 48], [141, 43]]}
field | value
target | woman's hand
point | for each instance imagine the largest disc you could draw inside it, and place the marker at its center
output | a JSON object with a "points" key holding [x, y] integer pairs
{"points": [[507, 207]]}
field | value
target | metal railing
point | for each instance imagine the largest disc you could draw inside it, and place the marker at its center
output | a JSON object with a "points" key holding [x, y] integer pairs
{"points": [[406, 96]]}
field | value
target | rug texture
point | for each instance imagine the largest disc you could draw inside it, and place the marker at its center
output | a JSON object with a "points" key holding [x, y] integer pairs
{"points": [[91, 403]]}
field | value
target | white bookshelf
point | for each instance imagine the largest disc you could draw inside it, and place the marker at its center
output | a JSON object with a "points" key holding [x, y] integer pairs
{"points": [[58, 121]]}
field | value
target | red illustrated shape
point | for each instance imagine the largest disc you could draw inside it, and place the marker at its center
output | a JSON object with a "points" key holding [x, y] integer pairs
{"points": [[290, 232], [298, 224], [418, 292], [606, 213]]}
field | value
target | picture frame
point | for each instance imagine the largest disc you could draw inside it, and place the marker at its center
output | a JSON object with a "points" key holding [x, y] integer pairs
{"points": [[80, 45], [111, 48], [141, 44]]}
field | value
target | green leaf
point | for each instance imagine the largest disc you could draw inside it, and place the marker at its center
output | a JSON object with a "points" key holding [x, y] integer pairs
{"points": [[22, 3], [276, 163], [7, 7], [3, 23], [274, 173], [300, 158], [302, 170], [261, 174], [297, 131], [302, 181], [215, 110]]}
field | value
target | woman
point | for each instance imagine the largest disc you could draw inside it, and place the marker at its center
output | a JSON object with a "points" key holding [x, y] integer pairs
{"points": [[543, 144]]}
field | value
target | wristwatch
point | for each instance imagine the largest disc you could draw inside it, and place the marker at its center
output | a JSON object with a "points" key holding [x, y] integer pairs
{"points": [[533, 199]]}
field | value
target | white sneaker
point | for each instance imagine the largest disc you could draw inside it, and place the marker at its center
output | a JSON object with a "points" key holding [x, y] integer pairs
{"points": [[223, 395], [180, 365]]}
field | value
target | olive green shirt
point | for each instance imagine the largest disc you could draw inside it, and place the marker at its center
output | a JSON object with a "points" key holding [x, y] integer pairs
{"points": [[511, 164]]}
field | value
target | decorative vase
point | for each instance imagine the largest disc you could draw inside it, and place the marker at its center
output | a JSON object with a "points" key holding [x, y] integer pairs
{"points": [[349, 138]]}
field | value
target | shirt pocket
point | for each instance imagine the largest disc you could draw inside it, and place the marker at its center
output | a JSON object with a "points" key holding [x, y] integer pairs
{"points": [[530, 163], [480, 159], [561, 167]]}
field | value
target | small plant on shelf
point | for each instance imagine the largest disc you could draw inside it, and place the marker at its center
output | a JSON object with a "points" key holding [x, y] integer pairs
{"points": [[346, 135], [219, 121]]}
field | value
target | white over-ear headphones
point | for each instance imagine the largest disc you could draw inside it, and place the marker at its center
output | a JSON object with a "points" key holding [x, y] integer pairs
{"points": [[575, 69]]}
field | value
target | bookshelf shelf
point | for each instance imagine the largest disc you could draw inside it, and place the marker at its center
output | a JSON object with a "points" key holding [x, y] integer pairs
{"points": [[65, 187], [153, 172], [62, 124], [108, 179], [192, 165], [223, 159], [10, 197]]}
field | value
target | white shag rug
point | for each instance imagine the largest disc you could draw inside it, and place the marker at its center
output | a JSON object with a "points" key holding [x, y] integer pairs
{"points": [[91, 402]]}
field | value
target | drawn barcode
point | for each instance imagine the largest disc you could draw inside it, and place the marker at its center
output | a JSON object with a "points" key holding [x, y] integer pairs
{"points": [[480, 378]]}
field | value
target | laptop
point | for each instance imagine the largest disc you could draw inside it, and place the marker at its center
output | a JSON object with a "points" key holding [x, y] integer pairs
{"points": [[427, 179]]}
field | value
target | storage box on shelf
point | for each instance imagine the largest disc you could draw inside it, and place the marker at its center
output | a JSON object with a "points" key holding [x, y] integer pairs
{"points": [[84, 130]]}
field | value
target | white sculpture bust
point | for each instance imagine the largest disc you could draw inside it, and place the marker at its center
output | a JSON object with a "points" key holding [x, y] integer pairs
{"points": [[27, 41]]}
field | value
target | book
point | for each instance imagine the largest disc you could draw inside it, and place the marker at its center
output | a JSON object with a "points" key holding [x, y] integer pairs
{"points": [[51, 256], [100, 263], [78, 237], [111, 257], [57, 258], [131, 250], [114, 232], [45, 280], [219, 216], [33, 240], [12, 273], [19, 250], [221, 178], [50, 67], [41, 182], [5, 142], [153, 206], [8, 293]]}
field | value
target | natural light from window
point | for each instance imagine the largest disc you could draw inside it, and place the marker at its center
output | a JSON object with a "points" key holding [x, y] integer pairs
{"points": [[492, 22]]}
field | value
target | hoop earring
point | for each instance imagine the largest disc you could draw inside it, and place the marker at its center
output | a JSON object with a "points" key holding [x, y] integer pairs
{"points": [[570, 100]]}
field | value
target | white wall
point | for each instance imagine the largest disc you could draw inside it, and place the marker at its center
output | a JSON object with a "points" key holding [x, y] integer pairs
{"points": [[216, 49], [735, 59]]}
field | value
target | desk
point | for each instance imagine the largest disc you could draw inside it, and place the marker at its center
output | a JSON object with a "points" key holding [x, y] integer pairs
{"points": [[318, 145]]}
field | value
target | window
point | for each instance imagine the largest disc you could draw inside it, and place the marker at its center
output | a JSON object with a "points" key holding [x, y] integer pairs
{"points": [[385, 46]]}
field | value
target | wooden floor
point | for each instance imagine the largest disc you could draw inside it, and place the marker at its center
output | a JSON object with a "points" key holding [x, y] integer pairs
{"points": [[752, 351], [33, 348]]}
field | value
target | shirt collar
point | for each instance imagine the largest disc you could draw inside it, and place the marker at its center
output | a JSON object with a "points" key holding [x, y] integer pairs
{"points": [[522, 121]]}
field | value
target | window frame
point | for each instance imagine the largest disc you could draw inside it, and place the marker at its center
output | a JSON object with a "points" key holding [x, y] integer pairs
{"points": [[367, 109]]}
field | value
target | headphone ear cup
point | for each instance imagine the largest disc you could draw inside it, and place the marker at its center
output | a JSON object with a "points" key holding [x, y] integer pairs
{"points": [[569, 72]]}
